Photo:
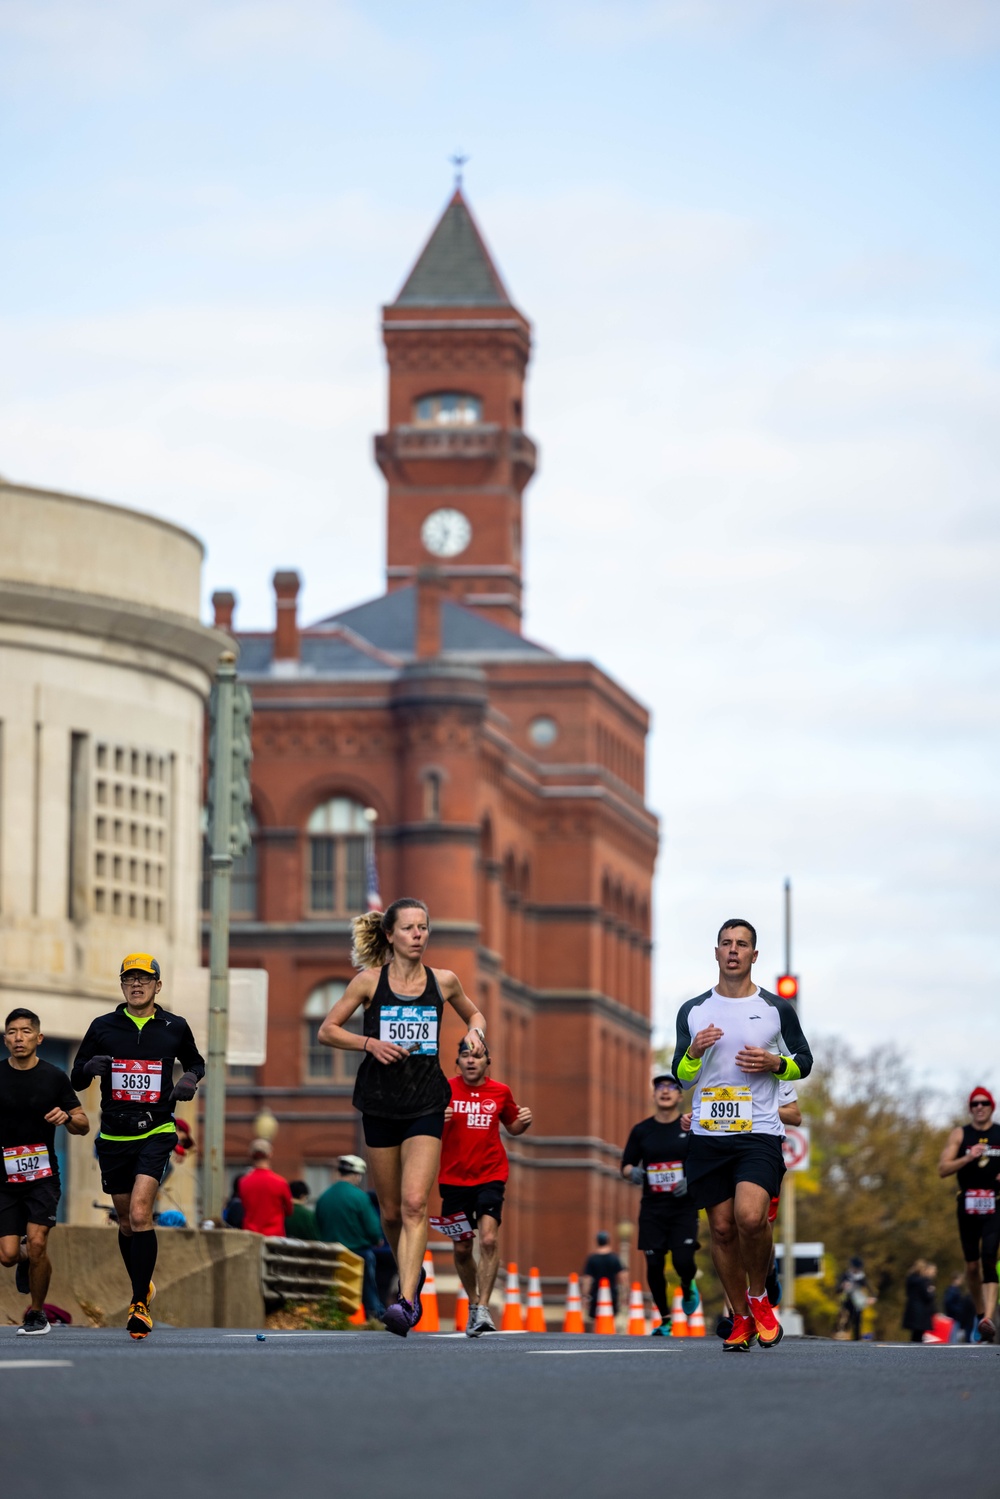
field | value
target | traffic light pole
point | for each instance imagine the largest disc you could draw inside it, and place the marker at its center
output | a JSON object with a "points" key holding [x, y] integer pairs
{"points": [[788, 1186], [214, 1158]]}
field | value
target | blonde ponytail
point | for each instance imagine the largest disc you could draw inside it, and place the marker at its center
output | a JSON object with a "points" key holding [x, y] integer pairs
{"points": [[370, 933]]}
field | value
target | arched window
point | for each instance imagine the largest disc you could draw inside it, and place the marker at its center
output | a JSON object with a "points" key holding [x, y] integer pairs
{"points": [[243, 884], [337, 832], [448, 408], [327, 1064]]}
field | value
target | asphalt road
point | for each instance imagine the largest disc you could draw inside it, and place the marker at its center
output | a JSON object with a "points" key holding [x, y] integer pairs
{"points": [[213, 1412]]}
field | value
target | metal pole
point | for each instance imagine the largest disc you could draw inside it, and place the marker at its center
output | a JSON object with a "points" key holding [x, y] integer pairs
{"points": [[788, 926], [788, 1187], [213, 1175]]}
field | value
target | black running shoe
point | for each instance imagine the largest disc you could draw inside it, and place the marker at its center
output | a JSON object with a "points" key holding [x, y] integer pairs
{"points": [[723, 1327], [773, 1287], [400, 1317], [34, 1323]]}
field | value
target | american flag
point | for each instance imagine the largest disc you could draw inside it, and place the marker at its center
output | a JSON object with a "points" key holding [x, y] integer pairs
{"points": [[372, 893]]}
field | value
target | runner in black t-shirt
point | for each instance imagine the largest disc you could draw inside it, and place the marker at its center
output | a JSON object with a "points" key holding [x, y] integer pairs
{"points": [[35, 1098], [973, 1155], [603, 1264], [653, 1158]]}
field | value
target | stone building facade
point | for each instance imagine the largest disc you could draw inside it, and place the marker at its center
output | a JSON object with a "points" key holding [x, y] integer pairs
{"points": [[102, 689], [504, 784]]}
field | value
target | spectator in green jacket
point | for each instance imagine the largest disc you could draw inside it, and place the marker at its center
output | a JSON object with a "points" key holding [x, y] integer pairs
{"points": [[345, 1215], [301, 1221]]}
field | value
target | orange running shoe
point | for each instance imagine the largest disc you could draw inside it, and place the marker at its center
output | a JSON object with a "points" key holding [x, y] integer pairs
{"points": [[742, 1336], [140, 1323], [769, 1329]]}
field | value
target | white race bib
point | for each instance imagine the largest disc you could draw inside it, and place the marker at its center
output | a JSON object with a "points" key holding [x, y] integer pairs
{"points": [[980, 1200], [664, 1176], [412, 1026], [454, 1226], [26, 1163], [135, 1082], [726, 1110]]}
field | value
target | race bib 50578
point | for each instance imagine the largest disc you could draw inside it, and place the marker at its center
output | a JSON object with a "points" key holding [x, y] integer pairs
{"points": [[412, 1026]]}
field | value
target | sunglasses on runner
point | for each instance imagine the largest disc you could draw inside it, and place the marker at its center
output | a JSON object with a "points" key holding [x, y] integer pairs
{"points": [[980, 1103]]}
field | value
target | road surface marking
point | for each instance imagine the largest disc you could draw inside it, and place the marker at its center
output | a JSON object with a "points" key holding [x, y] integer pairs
{"points": [[36, 1363]]}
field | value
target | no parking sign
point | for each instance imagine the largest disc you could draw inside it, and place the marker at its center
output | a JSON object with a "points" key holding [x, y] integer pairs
{"points": [[795, 1147]]}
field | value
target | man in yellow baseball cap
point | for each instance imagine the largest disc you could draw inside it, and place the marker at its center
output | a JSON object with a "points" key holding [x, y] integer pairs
{"points": [[133, 1051]]}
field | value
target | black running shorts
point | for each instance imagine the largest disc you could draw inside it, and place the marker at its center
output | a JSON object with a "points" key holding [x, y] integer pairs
{"points": [[385, 1134], [667, 1233], [714, 1168], [980, 1236], [121, 1161], [487, 1197], [31, 1202]]}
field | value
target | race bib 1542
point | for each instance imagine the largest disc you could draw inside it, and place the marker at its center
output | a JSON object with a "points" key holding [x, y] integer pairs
{"points": [[135, 1082], [26, 1163], [728, 1110], [412, 1026]]}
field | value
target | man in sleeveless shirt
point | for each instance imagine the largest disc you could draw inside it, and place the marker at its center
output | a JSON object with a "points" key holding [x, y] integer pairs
{"points": [[973, 1155]]}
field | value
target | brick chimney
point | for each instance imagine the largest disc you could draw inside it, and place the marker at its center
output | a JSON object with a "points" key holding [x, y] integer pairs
{"points": [[286, 630], [223, 604], [432, 589]]}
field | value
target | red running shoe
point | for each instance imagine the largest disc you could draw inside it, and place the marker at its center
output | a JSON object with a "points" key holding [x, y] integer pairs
{"points": [[742, 1336], [769, 1329]]}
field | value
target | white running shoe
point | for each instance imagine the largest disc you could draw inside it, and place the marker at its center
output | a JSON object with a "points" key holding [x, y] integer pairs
{"points": [[486, 1323], [472, 1321]]}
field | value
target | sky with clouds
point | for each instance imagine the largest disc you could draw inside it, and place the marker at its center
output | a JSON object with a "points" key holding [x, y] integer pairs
{"points": [[757, 241]]}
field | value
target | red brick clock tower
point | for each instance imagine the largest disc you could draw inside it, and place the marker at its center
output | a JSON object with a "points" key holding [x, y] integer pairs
{"points": [[456, 456]]}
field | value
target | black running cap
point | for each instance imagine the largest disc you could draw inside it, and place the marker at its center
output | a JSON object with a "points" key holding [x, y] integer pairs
{"points": [[667, 1077]]}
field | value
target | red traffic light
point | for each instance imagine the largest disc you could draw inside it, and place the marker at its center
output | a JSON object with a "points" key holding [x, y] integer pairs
{"points": [[788, 987]]}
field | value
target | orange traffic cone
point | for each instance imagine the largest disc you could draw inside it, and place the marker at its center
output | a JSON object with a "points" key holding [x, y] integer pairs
{"points": [[431, 1319], [636, 1312], [657, 1319], [573, 1320], [605, 1319], [678, 1321], [461, 1309], [513, 1317], [536, 1312], [696, 1322], [358, 1318]]}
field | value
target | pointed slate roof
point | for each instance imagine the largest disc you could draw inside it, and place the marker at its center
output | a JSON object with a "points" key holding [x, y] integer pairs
{"points": [[454, 268]]}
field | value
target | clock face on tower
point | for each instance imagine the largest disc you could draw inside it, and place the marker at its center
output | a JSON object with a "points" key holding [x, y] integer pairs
{"points": [[446, 533]]}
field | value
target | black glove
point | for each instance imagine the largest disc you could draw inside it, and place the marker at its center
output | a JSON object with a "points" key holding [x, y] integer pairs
{"points": [[97, 1066], [184, 1088], [636, 1176]]}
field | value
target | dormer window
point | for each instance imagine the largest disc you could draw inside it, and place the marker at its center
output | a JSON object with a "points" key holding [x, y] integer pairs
{"points": [[448, 408]]}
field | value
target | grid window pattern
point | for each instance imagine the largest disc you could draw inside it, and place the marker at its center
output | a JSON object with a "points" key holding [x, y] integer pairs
{"points": [[337, 832], [326, 1064], [131, 802]]}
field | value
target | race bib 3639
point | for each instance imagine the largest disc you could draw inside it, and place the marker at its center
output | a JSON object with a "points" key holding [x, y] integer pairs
{"points": [[135, 1082]]}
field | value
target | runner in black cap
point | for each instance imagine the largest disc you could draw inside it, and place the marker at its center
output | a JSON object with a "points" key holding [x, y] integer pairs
{"points": [[133, 1051], [35, 1098], [653, 1158], [973, 1155]]}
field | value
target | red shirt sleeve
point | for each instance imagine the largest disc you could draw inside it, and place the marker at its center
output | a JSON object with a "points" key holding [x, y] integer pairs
{"points": [[508, 1112]]}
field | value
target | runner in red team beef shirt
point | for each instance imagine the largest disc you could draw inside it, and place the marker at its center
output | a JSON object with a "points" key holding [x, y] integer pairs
{"points": [[266, 1196], [473, 1177]]}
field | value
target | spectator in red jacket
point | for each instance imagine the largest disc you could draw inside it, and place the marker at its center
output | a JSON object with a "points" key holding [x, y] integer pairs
{"points": [[266, 1196]]}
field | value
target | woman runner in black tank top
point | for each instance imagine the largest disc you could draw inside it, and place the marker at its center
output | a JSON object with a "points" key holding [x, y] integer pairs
{"points": [[401, 1090]]}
